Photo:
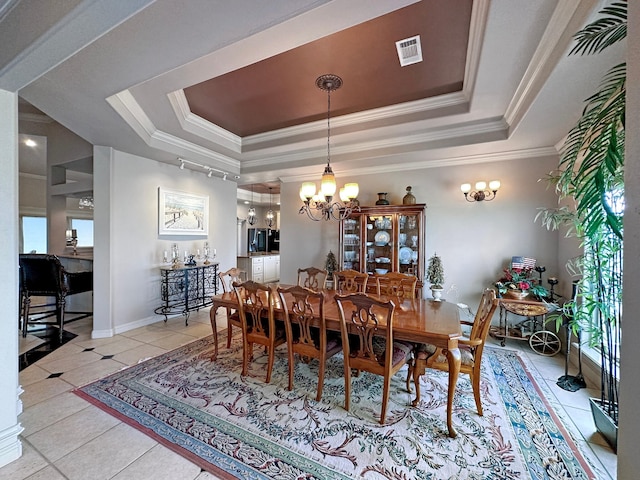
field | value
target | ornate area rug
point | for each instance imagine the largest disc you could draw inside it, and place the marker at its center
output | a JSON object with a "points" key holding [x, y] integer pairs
{"points": [[239, 427]]}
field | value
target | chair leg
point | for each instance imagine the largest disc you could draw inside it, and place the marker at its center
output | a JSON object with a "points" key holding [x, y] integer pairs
{"points": [[409, 375], [246, 354], [320, 379], [385, 398], [229, 329], [25, 315], [347, 385], [272, 357], [60, 315], [475, 383], [292, 359]]}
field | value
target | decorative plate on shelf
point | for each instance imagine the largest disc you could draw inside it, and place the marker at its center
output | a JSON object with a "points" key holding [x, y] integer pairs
{"points": [[382, 238], [405, 255]]}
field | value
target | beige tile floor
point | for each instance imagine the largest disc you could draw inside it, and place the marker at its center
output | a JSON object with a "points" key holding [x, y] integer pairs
{"points": [[65, 437]]}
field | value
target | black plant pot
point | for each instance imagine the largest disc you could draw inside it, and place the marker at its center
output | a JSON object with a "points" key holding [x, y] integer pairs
{"points": [[604, 423]]}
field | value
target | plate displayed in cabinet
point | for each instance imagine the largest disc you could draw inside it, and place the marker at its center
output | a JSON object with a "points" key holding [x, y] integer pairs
{"points": [[382, 238], [405, 255]]}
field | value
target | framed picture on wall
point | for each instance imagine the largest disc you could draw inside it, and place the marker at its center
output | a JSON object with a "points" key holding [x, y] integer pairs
{"points": [[181, 213]]}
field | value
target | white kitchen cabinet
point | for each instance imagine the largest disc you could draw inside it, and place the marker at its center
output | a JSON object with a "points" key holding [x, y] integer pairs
{"points": [[261, 268]]}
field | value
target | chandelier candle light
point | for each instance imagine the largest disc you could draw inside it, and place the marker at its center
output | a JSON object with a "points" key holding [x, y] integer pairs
{"points": [[481, 193], [321, 205]]}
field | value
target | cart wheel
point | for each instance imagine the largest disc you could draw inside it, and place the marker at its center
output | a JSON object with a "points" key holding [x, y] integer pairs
{"points": [[545, 343]]}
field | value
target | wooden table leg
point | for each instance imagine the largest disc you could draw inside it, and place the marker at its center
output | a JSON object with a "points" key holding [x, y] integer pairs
{"points": [[453, 357], [214, 328]]}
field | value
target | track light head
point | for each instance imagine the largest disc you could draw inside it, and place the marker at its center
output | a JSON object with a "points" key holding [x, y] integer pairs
{"points": [[210, 174], [224, 176], [181, 164]]}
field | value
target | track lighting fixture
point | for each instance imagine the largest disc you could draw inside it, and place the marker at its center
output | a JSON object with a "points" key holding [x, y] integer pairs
{"points": [[208, 169]]}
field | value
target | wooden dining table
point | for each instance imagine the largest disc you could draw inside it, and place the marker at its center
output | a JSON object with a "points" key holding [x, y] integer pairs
{"points": [[415, 320]]}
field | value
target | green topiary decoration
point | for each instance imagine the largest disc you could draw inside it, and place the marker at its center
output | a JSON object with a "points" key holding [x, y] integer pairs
{"points": [[330, 264], [435, 272]]}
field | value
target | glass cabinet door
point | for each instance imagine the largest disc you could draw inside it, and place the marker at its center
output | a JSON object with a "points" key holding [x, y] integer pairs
{"points": [[380, 252], [351, 244], [408, 245]]}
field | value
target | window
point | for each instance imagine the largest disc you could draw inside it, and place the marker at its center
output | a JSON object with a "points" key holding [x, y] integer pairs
{"points": [[84, 231], [34, 234]]}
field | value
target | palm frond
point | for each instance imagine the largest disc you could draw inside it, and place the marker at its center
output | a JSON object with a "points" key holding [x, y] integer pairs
{"points": [[603, 32]]}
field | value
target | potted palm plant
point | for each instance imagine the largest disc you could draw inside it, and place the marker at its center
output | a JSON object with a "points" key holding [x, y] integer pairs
{"points": [[435, 276], [590, 177]]}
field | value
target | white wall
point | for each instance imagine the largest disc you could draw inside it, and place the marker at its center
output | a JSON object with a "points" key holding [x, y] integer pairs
{"points": [[134, 248], [475, 240], [629, 422], [10, 404]]}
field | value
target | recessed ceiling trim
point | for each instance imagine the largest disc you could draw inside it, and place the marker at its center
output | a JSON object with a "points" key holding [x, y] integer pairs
{"points": [[457, 131], [477, 28], [382, 113], [435, 163], [199, 126], [568, 17], [132, 113]]}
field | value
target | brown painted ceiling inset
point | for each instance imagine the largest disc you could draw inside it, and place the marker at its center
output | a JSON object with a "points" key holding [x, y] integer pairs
{"points": [[280, 91]]}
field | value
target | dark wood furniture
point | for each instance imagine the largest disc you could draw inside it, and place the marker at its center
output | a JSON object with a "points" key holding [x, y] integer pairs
{"points": [[42, 275], [227, 279], [360, 318], [255, 303], [313, 278], [471, 347], [307, 334], [350, 281], [418, 320], [384, 238]]}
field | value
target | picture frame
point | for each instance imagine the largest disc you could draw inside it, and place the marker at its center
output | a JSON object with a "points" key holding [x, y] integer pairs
{"points": [[181, 213]]}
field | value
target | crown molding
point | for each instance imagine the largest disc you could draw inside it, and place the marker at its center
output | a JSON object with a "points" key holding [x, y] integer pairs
{"points": [[440, 162], [567, 18], [477, 28], [484, 127], [132, 113]]}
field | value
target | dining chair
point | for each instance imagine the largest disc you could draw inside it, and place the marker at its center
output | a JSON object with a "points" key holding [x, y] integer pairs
{"points": [[471, 347], [313, 278], [396, 284], [227, 279], [42, 275], [306, 330], [371, 347], [255, 306], [350, 281]]}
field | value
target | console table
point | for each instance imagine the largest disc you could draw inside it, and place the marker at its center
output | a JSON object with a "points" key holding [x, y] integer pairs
{"points": [[187, 288]]}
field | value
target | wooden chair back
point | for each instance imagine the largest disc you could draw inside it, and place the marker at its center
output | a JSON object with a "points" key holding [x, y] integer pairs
{"points": [[227, 279], [368, 323], [256, 310], [396, 284], [232, 275], [306, 330], [313, 278], [350, 281], [471, 348]]}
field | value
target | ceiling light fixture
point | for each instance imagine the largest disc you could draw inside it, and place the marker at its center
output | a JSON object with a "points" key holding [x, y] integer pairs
{"points": [[270, 218], [321, 205], [86, 202], [30, 143], [251, 213], [207, 168], [481, 193]]}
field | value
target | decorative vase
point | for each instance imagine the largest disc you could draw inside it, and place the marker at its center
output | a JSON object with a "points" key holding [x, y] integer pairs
{"points": [[436, 293], [382, 199], [408, 199], [516, 294]]}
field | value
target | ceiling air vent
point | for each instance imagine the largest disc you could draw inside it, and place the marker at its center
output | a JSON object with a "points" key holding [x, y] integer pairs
{"points": [[409, 51]]}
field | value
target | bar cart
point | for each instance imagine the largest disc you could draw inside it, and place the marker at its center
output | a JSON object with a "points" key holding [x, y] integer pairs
{"points": [[530, 326]]}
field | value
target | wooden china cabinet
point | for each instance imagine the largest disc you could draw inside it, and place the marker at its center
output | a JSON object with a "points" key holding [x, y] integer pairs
{"points": [[384, 238]]}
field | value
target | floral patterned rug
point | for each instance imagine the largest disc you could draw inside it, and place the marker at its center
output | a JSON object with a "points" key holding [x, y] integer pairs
{"points": [[239, 427]]}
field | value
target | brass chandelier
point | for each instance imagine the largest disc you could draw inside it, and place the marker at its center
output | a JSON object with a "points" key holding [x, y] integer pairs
{"points": [[321, 206]]}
